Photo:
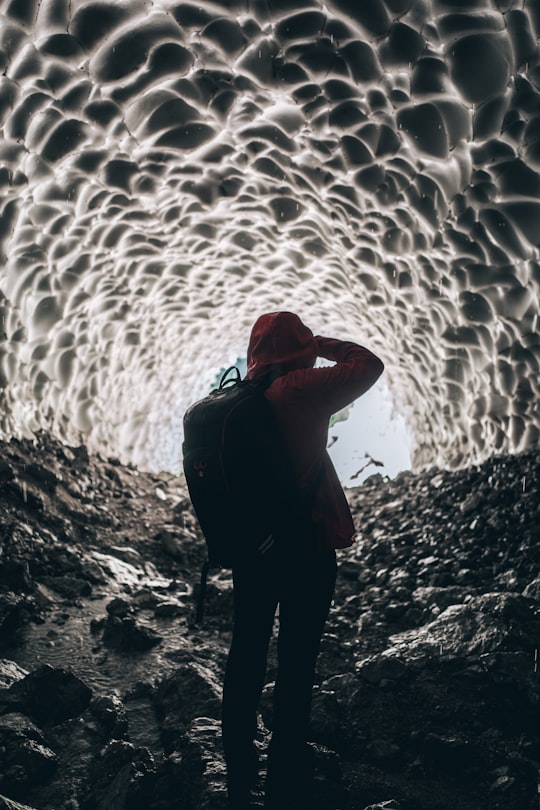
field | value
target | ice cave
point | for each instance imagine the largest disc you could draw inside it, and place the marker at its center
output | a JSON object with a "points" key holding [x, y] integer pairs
{"points": [[170, 170]]}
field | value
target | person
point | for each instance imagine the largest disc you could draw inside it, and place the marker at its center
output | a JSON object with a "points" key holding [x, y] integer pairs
{"points": [[298, 574]]}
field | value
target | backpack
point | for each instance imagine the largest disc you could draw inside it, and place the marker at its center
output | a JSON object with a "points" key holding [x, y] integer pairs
{"points": [[238, 474]]}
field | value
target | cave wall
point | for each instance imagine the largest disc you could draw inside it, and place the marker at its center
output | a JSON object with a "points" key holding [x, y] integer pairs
{"points": [[169, 170]]}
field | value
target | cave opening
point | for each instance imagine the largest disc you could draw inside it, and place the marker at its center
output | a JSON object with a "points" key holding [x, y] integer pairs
{"points": [[372, 436]]}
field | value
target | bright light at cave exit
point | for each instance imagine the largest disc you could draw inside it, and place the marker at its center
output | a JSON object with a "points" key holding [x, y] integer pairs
{"points": [[372, 438], [366, 438]]}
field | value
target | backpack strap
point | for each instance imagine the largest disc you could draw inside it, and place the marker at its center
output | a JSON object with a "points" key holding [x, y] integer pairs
{"points": [[224, 381]]}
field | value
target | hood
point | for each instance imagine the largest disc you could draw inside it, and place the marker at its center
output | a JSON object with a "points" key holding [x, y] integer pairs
{"points": [[280, 343]]}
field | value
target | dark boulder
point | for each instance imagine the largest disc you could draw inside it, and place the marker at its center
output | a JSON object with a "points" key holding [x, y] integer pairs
{"points": [[15, 574], [121, 777], [10, 672], [48, 696], [203, 767], [191, 691], [119, 607], [489, 623], [68, 587], [128, 634], [25, 759], [13, 612], [110, 716]]}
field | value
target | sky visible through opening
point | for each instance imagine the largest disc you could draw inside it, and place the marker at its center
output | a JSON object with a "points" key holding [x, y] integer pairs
{"points": [[372, 432]]}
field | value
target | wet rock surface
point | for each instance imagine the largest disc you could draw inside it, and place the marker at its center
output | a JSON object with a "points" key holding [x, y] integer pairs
{"points": [[428, 690]]}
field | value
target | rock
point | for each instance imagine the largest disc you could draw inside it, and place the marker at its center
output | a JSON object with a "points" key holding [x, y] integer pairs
{"points": [[342, 685], [325, 719], [20, 725], [193, 777], [466, 577], [471, 503], [68, 587], [22, 496], [24, 758], [442, 597], [127, 634], [6, 471], [349, 569], [328, 786], [169, 609], [145, 598], [15, 575], [448, 754], [532, 590], [190, 691], [514, 784], [508, 580], [91, 571], [112, 568], [110, 713], [413, 617], [383, 667], [43, 475], [119, 607], [97, 625], [395, 611], [266, 704], [47, 695], [11, 804], [12, 612], [486, 624], [127, 554], [120, 778], [173, 542], [10, 672], [203, 768], [170, 782]]}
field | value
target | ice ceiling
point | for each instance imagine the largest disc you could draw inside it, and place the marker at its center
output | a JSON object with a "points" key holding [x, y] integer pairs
{"points": [[169, 170]]}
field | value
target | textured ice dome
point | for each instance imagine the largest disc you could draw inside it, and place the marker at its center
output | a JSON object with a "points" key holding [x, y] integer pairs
{"points": [[170, 170]]}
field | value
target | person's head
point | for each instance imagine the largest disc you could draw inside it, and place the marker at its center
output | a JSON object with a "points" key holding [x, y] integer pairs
{"points": [[280, 343]]}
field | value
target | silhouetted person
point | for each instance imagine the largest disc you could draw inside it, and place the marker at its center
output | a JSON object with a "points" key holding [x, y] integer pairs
{"points": [[297, 573]]}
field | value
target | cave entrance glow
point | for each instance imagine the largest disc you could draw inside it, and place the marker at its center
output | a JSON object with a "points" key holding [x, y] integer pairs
{"points": [[371, 438]]}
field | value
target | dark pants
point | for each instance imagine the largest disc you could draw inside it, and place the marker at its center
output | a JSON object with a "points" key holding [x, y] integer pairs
{"points": [[303, 588]]}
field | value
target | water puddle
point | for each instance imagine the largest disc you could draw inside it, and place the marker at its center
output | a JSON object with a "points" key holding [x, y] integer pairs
{"points": [[66, 640]]}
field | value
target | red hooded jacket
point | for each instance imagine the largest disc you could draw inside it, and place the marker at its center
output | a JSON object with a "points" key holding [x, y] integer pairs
{"points": [[303, 399]]}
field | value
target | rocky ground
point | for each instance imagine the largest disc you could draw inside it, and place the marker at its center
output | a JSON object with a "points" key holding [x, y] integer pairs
{"points": [[428, 687]]}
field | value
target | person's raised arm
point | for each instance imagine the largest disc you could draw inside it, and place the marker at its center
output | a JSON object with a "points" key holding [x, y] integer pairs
{"points": [[356, 369]]}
